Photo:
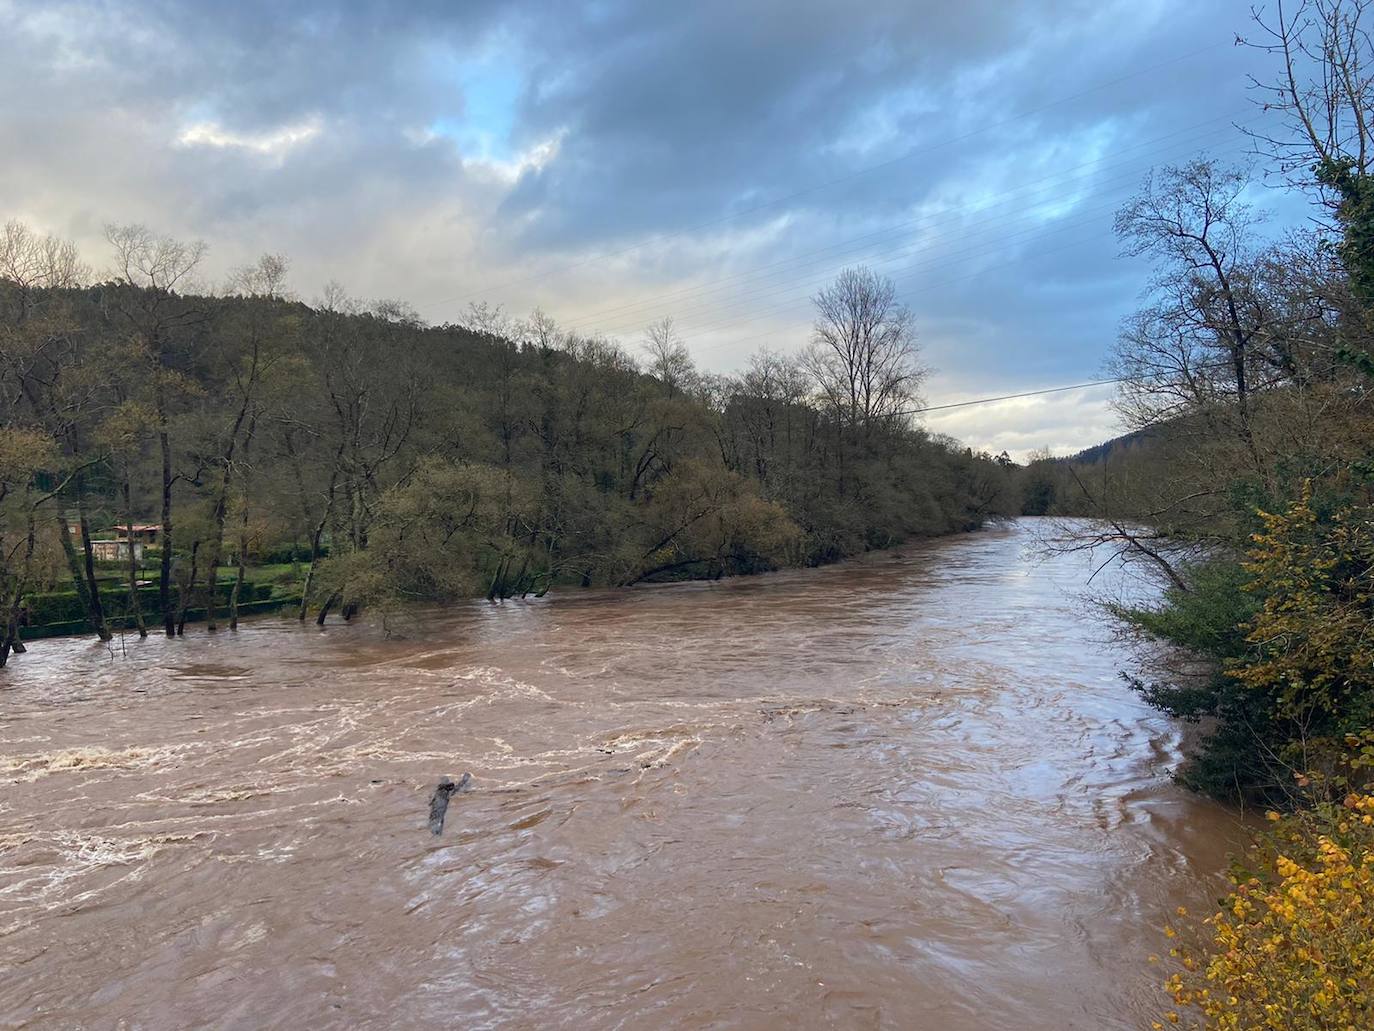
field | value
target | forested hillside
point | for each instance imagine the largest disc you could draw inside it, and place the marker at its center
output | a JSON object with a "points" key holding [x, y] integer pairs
{"points": [[390, 460]]}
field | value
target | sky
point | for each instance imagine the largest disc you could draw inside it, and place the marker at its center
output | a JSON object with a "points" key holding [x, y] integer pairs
{"points": [[615, 162]]}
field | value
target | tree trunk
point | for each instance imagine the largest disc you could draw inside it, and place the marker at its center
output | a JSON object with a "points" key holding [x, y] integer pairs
{"points": [[164, 540], [9, 636], [186, 596], [324, 609], [221, 511], [243, 527], [316, 540], [88, 557], [83, 577], [211, 585], [135, 608], [238, 586]]}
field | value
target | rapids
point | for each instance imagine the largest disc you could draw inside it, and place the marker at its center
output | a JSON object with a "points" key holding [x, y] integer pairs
{"points": [[906, 791]]}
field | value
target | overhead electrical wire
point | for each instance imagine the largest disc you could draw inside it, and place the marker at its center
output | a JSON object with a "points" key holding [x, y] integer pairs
{"points": [[1036, 393], [1008, 397], [697, 295]]}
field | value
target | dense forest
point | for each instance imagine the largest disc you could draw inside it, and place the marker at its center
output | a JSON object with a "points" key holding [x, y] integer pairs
{"points": [[387, 460]]}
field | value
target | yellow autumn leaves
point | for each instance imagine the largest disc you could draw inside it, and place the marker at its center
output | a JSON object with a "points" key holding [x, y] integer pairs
{"points": [[1292, 946]]}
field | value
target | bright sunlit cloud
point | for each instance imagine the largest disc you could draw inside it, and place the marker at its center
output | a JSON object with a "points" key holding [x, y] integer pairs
{"points": [[273, 143]]}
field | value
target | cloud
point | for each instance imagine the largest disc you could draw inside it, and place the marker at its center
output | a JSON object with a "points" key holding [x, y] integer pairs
{"points": [[1062, 423], [272, 143], [614, 161]]}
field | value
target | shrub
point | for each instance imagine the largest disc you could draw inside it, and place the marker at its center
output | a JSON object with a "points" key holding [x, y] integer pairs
{"points": [[291, 552], [1311, 651], [1292, 946], [1287, 643]]}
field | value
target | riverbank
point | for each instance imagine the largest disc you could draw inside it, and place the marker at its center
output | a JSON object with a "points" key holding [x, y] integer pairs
{"points": [[61, 613], [272, 588]]}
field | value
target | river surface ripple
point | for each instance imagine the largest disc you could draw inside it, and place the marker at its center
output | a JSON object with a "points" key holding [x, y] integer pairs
{"points": [[907, 791]]}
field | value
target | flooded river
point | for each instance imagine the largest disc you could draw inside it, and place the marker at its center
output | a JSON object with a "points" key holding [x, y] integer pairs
{"points": [[908, 791]]}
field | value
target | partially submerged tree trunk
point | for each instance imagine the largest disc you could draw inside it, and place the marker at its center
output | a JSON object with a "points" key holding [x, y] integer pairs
{"points": [[438, 802], [211, 589], [329, 603], [317, 536], [83, 574], [221, 508], [189, 593], [135, 608], [164, 540], [19, 582], [243, 544]]}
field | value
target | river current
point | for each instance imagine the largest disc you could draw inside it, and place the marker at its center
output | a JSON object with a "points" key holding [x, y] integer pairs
{"points": [[908, 791]]}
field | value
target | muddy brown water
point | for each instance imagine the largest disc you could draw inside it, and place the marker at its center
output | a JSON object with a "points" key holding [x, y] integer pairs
{"points": [[909, 791]]}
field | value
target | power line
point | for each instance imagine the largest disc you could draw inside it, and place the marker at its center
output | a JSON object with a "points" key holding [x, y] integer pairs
{"points": [[1009, 397], [1043, 390]]}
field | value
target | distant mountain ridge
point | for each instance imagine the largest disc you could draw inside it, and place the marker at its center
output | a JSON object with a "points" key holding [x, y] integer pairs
{"points": [[1101, 452]]}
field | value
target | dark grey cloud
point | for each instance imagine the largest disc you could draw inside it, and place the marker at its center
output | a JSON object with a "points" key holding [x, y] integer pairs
{"points": [[616, 161]]}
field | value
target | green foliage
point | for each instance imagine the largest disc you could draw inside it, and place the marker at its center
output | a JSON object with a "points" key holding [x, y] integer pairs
{"points": [[412, 462], [1207, 617], [1203, 628], [1355, 211], [1280, 651], [1039, 496]]}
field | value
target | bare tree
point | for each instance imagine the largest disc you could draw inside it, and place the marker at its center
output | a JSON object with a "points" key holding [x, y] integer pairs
{"points": [[769, 402], [266, 277], [159, 264], [33, 262], [1325, 96], [540, 332], [1197, 340], [863, 351], [1324, 88], [669, 360], [486, 319]]}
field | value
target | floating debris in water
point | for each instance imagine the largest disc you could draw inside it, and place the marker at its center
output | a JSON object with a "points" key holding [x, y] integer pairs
{"points": [[438, 803]]}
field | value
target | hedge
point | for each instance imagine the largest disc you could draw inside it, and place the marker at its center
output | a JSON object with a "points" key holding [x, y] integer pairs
{"points": [[65, 606], [121, 622]]}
